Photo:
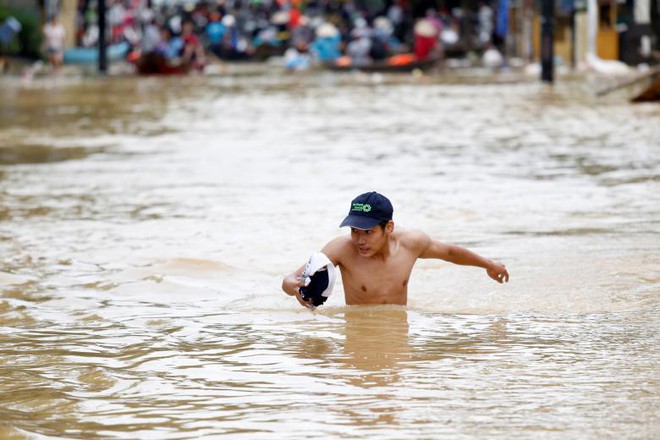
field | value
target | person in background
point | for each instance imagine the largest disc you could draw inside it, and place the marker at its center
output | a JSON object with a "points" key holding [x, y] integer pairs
{"points": [[151, 38], [396, 15], [486, 23], [215, 31], [436, 21], [171, 45], [326, 46], [302, 34], [116, 20], [193, 52], [235, 45], [359, 47], [8, 30], [54, 35], [383, 42], [426, 39]]}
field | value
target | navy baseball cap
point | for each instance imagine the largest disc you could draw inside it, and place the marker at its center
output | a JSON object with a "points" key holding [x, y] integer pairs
{"points": [[367, 210]]}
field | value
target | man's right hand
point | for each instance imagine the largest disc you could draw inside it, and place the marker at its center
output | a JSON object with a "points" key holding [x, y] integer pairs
{"points": [[291, 285], [498, 272]]}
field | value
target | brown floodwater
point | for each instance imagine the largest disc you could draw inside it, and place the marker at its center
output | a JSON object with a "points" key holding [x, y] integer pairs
{"points": [[146, 223]]}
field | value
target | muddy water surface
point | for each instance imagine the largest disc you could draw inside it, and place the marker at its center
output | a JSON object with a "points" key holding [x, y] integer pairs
{"points": [[145, 225]]}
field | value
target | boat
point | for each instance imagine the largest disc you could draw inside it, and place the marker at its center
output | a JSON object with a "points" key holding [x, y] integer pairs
{"points": [[90, 55], [154, 63], [395, 64], [642, 87], [651, 93]]}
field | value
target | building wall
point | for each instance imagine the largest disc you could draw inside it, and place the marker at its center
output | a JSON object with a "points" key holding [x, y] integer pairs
{"points": [[607, 38], [68, 19], [581, 37]]}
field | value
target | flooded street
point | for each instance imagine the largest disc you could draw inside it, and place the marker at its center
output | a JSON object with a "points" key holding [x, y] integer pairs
{"points": [[146, 225]]}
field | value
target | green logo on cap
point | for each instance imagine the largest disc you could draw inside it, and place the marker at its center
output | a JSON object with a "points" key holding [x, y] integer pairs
{"points": [[361, 207]]}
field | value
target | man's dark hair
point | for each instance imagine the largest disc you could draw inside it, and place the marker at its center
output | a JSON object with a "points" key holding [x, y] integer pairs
{"points": [[383, 223]]}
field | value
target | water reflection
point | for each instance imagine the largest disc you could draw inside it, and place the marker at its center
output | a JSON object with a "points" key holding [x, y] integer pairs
{"points": [[376, 343]]}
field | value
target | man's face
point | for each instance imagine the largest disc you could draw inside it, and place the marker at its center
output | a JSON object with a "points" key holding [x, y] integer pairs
{"points": [[370, 242]]}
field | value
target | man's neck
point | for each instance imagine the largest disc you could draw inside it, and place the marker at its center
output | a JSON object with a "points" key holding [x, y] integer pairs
{"points": [[384, 252]]}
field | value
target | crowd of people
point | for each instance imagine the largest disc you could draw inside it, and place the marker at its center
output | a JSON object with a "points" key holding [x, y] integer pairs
{"points": [[303, 31]]}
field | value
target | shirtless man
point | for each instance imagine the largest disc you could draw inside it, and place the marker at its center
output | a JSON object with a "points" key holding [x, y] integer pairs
{"points": [[376, 260]]}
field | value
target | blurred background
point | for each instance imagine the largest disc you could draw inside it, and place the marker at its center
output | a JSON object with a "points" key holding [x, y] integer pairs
{"points": [[174, 36]]}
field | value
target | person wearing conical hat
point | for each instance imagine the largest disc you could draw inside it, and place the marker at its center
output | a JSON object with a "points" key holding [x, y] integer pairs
{"points": [[327, 44], [426, 39]]}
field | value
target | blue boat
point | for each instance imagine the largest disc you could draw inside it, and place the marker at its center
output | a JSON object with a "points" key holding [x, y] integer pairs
{"points": [[90, 55]]}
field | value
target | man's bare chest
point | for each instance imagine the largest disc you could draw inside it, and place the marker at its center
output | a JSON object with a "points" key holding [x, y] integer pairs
{"points": [[377, 276]]}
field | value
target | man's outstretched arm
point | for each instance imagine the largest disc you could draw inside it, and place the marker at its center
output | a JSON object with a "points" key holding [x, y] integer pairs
{"points": [[464, 257]]}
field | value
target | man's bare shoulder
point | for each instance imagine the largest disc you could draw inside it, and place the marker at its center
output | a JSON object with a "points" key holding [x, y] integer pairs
{"points": [[412, 239]]}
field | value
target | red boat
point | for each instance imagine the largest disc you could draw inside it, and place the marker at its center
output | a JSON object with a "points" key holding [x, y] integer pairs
{"points": [[154, 63]]}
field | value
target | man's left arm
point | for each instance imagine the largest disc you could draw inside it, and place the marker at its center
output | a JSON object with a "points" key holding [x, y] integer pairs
{"points": [[464, 257]]}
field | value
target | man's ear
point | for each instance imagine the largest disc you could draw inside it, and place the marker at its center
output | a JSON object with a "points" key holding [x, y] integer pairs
{"points": [[389, 227]]}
